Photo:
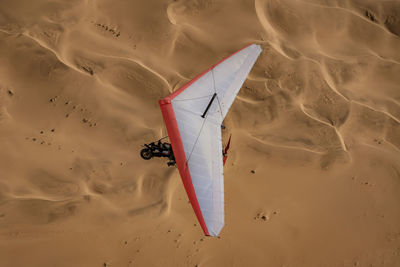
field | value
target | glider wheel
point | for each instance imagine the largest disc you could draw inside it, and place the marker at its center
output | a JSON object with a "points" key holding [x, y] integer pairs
{"points": [[146, 154]]}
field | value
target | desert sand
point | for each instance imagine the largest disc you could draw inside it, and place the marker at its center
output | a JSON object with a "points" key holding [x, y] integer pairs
{"points": [[313, 174]]}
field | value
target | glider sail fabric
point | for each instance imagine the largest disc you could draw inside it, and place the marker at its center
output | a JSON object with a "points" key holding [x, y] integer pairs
{"points": [[193, 116]]}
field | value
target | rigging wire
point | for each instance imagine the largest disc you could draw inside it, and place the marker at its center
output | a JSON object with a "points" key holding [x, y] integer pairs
{"points": [[162, 138], [187, 99], [197, 139], [215, 90], [204, 121]]}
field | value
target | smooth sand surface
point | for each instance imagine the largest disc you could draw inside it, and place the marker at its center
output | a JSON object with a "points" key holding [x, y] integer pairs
{"points": [[313, 175]]}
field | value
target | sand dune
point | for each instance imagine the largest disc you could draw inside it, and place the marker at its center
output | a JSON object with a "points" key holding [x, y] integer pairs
{"points": [[313, 176]]}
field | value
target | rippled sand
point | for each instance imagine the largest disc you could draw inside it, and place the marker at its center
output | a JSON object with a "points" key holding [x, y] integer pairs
{"points": [[313, 176]]}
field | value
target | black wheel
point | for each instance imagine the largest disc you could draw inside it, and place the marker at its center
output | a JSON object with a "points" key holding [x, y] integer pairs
{"points": [[146, 154]]}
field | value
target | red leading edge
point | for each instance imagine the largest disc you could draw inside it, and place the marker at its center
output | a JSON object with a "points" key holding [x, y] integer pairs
{"points": [[177, 145]]}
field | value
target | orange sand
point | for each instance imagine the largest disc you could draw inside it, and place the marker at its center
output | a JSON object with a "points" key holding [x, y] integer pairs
{"points": [[318, 121]]}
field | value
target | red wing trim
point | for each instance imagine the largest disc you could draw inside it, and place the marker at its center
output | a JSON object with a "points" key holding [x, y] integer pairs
{"points": [[226, 150], [180, 158]]}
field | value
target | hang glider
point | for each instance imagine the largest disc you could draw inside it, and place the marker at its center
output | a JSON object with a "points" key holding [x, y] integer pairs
{"points": [[193, 115]]}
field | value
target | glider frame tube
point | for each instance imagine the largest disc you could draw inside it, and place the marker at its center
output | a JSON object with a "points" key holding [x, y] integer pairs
{"points": [[209, 105]]}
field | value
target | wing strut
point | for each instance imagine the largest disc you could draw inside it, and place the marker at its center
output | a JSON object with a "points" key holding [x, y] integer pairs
{"points": [[209, 105]]}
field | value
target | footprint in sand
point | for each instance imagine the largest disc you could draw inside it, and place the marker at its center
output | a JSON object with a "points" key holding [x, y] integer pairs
{"points": [[113, 30], [265, 216], [378, 141], [53, 99], [370, 16]]}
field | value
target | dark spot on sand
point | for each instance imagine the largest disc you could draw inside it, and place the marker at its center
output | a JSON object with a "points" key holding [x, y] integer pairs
{"points": [[41, 132], [370, 16], [264, 218], [88, 70], [33, 139], [53, 130], [378, 141], [84, 120], [10, 93], [253, 171]]}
